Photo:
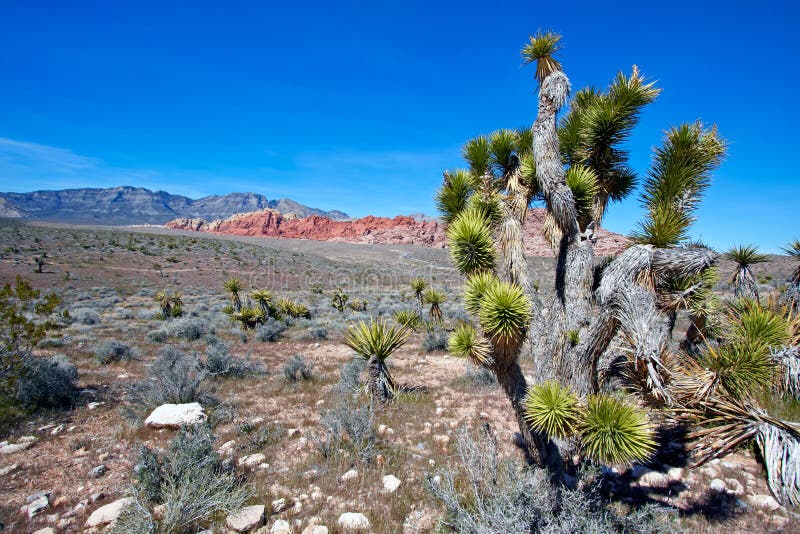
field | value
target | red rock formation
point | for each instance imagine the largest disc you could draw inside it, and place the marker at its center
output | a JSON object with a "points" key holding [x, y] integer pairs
{"points": [[370, 229]]}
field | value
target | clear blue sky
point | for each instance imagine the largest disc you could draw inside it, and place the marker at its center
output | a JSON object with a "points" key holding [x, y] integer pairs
{"points": [[361, 106]]}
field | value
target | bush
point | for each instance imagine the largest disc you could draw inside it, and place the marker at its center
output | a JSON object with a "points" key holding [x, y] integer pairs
{"points": [[47, 382], [189, 328], [174, 377], [85, 316], [296, 368], [189, 481], [350, 377], [495, 495], [157, 336], [478, 377], [435, 340], [271, 330], [317, 333], [220, 362], [113, 351], [350, 426]]}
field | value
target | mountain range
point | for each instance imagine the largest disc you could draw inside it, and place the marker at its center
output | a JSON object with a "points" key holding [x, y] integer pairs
{"points": [[136, 205]]}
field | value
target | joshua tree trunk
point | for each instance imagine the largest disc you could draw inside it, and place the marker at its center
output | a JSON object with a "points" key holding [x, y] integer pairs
{"points": [[381, 385], [744, 284]]}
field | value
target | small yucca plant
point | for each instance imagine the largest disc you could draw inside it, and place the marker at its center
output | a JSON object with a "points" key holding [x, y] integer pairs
{"points": [[418, 285], [467, 342], [615, 432], [375, 342], [250, 317], [234, 286], [434, 298], [745, 256], [741, 367], [408, 318], [553, 409], [263, 298]]}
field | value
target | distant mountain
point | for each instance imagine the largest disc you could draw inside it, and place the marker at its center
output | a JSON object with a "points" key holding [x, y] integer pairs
{"points": [[136, 205]]}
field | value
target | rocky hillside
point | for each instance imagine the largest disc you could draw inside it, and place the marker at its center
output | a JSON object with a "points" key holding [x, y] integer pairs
{"points": [[136, 205], [381, 230]]}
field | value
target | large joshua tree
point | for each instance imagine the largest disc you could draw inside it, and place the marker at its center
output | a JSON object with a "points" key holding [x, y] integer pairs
{"points": [[375, 341], [575, 169]]}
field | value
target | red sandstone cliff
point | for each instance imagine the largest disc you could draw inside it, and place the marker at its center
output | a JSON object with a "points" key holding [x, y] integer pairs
{"points": [[380, 230]]}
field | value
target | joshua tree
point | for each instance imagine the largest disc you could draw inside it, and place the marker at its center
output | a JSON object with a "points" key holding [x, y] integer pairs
{"points": [[263, 298], [234, 287], [744, 285], [418, 285], [434, 298], [339, 299], [171, 305], [374, 342], [40, 263], [792, 295], [485, 207]]}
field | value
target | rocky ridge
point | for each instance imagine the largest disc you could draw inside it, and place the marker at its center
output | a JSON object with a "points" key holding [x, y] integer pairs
{"points": [[407, 230]]}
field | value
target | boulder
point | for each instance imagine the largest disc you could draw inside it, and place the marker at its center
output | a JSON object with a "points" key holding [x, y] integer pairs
{"points": [[252, 460], [176, 415], [350, 475], [353, 522], [11, 448], [246, 518], [718, 486], [766, 502], [281, 526], [390, 483], [108, 513]]}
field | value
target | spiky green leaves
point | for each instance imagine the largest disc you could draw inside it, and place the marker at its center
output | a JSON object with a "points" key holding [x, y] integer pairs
{"points": [[375, 338], [478, 154], [582, 180], [408, 318], [756, 325], [467, 342], [553, 409], [740, 368], [475, 288], [540, 49], [504, 314], [452, 197], [746, 255], [470, 242], [676, 180], [615, 432]]}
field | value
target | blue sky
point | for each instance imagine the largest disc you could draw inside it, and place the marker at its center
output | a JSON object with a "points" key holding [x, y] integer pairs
{"points": [[361, 106]]}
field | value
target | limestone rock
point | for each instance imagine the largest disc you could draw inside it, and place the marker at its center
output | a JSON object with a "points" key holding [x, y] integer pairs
{"points": [[350, 475], [390, 483], [281, 526], [176, 415], [353, 522], [718, 486], [252, 460], [108, 513], [767, 502], [279, 505], [246, 518]]}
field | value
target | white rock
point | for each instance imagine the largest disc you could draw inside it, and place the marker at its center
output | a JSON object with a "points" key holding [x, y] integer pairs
{"points": [[27, 439], [278, 506], [246, 518], [353, 521], [255, 421], [293, 432], [8, 469], [675, 474], [252, 460], [176, 415], [93, 405], [718, 486], [734, 486], [764, 501], [315, 529], [108, 513], [57, 430], [46, 530], [227, 448], [350, 475], [654, 479], [391, 483], [36, 506], [11, 448], [281, 526]]}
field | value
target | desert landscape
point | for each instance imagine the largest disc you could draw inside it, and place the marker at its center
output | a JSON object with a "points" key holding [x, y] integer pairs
{"points": [[397, 268]]}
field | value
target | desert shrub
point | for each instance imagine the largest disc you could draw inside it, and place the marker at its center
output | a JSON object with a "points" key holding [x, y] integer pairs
{"points": [[174, 377], [112, 350], [489, 494], [297, 368], [477, 377], [349, 382], [435, 340], [189, 328], [52, 343], [261, 437], [349, 425], [317, 333], [85, 316], [220, 362], [271, 330], [157, 336], [47, 382], [189, 481]]}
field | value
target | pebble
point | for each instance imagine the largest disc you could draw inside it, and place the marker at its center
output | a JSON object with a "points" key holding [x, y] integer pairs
{"points": [[98, 471]]}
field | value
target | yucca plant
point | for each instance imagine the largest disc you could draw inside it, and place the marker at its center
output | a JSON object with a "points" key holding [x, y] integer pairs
{"points": [[792, 294], [339, 300], [418, 285], [466, 342], [504, 315], [434, 297], [171, 305], [250, 317], [263, 298], [745, 256], [615, 432], [375, 342], [470, 241], [234, 286], [408, 318]]}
